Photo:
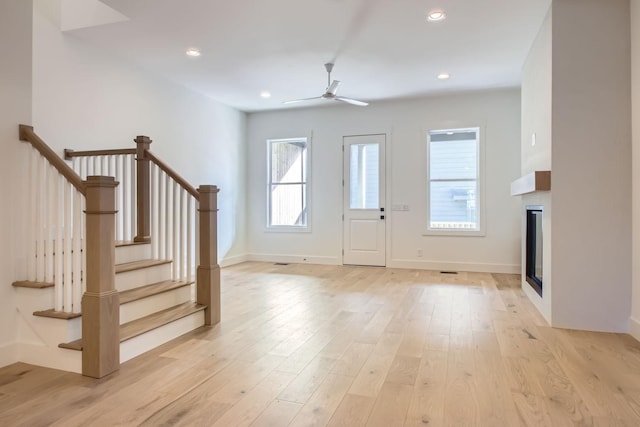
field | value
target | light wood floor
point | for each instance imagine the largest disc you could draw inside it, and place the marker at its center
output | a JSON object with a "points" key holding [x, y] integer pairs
{"points": [[303, 345]]}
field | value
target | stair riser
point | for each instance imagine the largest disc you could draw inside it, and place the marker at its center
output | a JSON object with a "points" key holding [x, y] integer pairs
{"points": [[152, 304], [30, 300], [131, 253], [156, 337], [144, 276]]}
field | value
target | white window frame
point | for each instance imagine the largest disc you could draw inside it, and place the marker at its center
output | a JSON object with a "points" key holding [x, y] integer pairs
{"points": [[307, 167], [480, 197]]}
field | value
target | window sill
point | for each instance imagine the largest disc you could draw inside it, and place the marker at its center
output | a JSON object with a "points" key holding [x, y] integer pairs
{"points": [[455, 233], [285, 229]]}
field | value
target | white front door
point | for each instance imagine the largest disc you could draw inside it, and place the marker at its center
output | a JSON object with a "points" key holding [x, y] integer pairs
{"points": [[364, 200]]}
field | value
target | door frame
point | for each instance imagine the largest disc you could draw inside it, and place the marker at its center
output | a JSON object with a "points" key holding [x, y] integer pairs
{"points": [[388, 133]]}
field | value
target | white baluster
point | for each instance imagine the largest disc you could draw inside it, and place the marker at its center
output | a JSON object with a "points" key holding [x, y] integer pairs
{"points": [[126, 202], [31, 259], [189, 237], [83, 244], [40, 218], [153, 194], [176, 232], [49, 219], [168, 216], [134, 205], [196, 232], [76, 248], [66, 253], [162, 219], [118, 175], [58, 237], [182, 223]]}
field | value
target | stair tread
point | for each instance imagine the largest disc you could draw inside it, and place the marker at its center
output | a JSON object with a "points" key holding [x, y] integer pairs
{"points": [[149, 290], [145, 324], [32, 284], [56, 314], [137, 265], [120, 243]]}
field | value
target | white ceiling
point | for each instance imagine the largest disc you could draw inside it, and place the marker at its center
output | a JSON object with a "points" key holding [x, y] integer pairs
{"points": [[382, 49]]}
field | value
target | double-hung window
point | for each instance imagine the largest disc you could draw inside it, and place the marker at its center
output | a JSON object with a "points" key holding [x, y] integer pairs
{"points": [[288, 170], [454, 190]]}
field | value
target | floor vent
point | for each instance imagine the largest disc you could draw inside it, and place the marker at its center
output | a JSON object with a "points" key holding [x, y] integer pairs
{"points": [[281, 263], [448, 272]]}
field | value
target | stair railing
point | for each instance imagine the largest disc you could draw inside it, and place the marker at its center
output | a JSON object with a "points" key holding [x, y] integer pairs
{"points": [[120, 164], [56, 233], [159, 206], [76, 251]]}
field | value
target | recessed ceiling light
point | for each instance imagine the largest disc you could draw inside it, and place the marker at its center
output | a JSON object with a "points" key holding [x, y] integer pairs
{"points": [[443, 76], [192, 51], [265, 94], [436, 15]]}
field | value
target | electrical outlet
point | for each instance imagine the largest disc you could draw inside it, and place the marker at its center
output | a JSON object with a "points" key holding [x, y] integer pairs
{"points": [[419, 253]]}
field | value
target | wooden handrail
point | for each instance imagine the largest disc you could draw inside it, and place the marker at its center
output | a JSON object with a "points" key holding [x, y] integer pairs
{"points": [[174, 175], [69, 153], [28, 135]]}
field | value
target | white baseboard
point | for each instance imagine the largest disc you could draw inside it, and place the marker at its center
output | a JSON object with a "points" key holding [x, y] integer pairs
{"points": [[455, 266], [8, 354], [634, 327], [295, 259], [233, 260]]}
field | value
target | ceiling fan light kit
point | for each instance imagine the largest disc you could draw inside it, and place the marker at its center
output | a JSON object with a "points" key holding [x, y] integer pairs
{"points": [[331, 92]]}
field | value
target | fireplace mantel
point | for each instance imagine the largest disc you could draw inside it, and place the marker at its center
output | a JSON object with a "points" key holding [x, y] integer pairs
{"points": [[530, 183]]}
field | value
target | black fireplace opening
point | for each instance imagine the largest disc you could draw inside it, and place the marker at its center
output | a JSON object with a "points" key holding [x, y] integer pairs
{"points": [[533, 268]]}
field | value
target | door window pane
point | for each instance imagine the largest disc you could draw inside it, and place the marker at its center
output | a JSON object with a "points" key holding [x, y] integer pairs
{"points": [[364, 171]]}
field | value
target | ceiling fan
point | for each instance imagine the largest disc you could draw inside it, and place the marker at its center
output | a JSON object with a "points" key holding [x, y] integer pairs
{"points": [[331, 91]]}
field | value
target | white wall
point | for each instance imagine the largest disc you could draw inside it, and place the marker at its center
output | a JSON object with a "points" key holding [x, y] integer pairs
{"points": [[591, 165], [15, 108], [536, 120], [405, 122], [587, 251], [84, 98], [634, 324]]}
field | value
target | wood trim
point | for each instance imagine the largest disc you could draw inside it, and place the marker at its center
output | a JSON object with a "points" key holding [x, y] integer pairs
{"points": [[142, 292], [100, 302], [143, 189], [69, 153], [138, 265], [28, 135], [145, 324], [535, 181], [32, 285], [208, 273], [174, 175], [56, 314]]}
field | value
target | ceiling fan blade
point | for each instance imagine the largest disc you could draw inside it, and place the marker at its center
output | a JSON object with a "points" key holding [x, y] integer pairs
{"points": [[334, 87], [293, 101], [351, 101]]}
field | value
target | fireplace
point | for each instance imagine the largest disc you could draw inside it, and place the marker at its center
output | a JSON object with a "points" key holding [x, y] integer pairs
{"points": [[533, 248]]}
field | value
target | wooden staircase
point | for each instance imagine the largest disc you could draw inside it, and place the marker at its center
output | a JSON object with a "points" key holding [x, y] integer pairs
{"points": [[164, 308], [123, 238]]}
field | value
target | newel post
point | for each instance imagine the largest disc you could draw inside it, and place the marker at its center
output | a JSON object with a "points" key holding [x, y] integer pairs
{"points": [[208, 275], [100, 302], [143, 229]]}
